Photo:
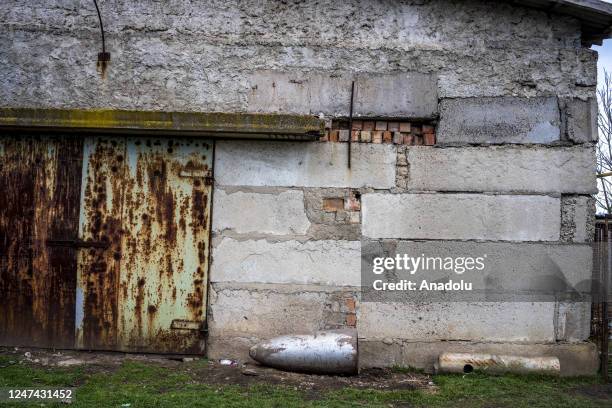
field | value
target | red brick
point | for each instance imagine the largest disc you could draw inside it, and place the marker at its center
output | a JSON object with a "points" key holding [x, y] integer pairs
{"points": [[405, 127], [350, 305], [381, 125], [428, 129], [357, 124], [377, 136], [368, 125], [365, 136], [353, 203], [334, 135], [355, 135], [351, 320], [393, 126], [407, 138], [429, 139], [333, 204], [388, 137]]}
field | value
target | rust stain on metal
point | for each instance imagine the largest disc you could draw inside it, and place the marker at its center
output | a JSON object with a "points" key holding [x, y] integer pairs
{"points": [[166, 221], [105, 238], [100, 268], [40, 183]]}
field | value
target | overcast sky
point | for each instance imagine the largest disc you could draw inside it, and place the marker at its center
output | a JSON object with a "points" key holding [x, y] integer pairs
{"points": [[605, 55]]}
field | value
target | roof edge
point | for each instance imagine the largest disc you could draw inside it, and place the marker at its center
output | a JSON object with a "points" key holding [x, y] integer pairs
{"points": [[594, 15]]}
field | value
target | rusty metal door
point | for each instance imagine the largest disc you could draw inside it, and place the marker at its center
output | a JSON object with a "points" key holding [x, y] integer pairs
{"points": [[142, 280], [40, 180]]}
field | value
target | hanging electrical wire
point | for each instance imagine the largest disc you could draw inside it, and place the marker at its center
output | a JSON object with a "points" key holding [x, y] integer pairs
{"points": [[104, 56]]}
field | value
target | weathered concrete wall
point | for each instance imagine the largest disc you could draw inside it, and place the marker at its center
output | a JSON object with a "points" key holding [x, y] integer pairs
{"points": [[411, 94], [507, 169], [499, 120], [288, 217], [288, 164], [513, 265], [324, 262], [461, 216], [581, 119], [215, 56], [495, 322], [286, 253], [303, 263], [281, 213]]}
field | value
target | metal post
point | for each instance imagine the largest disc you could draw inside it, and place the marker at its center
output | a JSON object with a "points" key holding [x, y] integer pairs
{"points": [[605, 339], [351, 123]]}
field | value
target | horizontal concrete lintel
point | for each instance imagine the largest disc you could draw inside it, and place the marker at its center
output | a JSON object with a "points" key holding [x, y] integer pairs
{"points": [[234, 125]]}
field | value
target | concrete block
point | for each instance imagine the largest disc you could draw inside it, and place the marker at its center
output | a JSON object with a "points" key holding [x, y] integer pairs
{"points": [[461, 216], [273, 213], [575, 358], [403, 94], [577, 218], [330, 262], [581, 120], [499, 120], [503, 169], [476, 321], [262, 163], [573, 321], [232, 347], [263, 311], [512, 267]]}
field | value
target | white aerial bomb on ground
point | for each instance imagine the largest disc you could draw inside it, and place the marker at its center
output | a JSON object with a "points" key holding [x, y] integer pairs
{"points": [[325, 352]]}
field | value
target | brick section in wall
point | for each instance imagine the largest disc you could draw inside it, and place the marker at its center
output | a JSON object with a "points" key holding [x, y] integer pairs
{"points": [[345, 209], [340, 311], [381, 131]]}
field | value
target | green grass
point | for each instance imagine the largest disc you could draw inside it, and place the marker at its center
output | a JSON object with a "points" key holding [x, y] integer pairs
{"points": [[148, 385]]}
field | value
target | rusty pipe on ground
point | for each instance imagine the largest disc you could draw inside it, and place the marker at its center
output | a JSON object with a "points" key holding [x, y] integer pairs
{"points": [[325, 352], [496, 364]]}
